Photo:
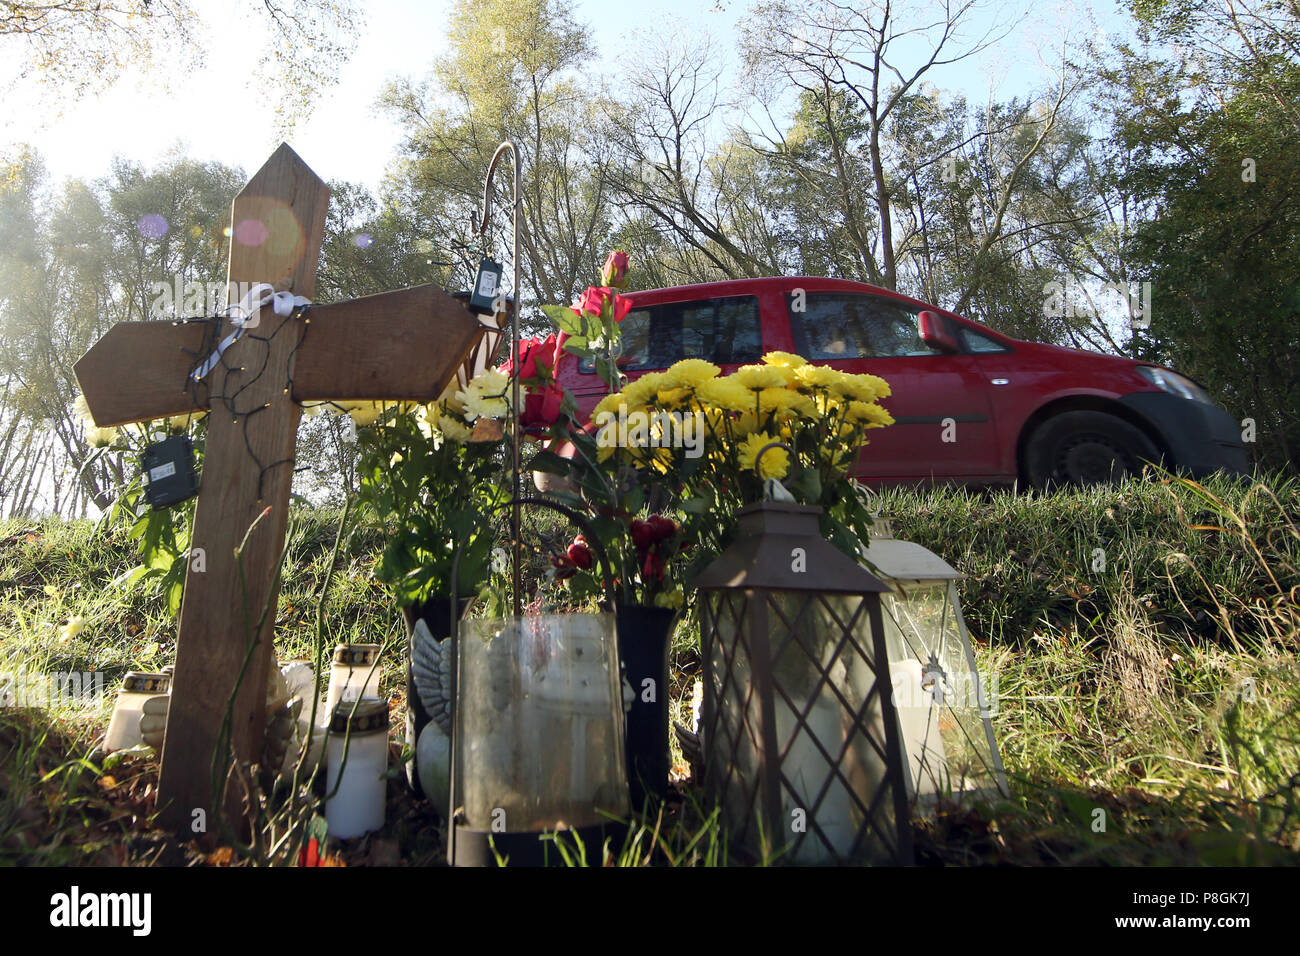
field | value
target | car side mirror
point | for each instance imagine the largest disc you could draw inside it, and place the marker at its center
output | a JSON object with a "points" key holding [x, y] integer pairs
{"points": [[936, 333]]}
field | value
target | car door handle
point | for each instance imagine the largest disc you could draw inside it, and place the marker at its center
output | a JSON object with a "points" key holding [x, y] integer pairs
{"points": [[1001, 381]]}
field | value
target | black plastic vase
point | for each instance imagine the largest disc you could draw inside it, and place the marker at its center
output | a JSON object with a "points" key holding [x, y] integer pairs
{"points": [[644, 637]]}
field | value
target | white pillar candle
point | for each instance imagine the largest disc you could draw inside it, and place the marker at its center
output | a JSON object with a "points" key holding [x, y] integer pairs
{"points": [[357, 805], [124, 725], [354, 673], [918, 718]]}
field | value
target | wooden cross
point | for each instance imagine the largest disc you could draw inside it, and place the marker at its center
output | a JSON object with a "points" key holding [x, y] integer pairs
{"points": [[403, 345]]}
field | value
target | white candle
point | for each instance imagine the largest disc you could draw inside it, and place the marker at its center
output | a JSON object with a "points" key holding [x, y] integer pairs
{"points": [[357, 805], [355, 673], [124, 725]]}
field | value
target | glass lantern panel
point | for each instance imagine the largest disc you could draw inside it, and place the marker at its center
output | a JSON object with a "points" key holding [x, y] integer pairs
{"points": [[829, 727], [942, 706], [735, 747], [835, 802], [539, 734]]}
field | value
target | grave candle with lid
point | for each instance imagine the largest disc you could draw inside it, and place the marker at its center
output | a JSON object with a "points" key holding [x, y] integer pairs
{"points": [[354, 673], [357, 765], [124, 725]]}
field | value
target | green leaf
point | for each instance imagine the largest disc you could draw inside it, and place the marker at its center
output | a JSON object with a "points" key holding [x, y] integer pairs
{"points": [[567, 320], [549, 462]]}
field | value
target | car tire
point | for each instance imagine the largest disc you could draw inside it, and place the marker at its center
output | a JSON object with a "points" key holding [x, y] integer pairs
{"points": [[1084, 448]]}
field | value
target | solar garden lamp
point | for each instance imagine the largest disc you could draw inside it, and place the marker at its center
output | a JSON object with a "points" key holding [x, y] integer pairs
{"points": [[944, 707], [801, 743]]}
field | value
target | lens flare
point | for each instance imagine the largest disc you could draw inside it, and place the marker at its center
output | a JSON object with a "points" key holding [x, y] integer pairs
{"points": [[152, 226], [250, 232]]}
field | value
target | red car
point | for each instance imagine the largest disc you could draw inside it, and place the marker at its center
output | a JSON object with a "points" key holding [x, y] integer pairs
{"points": [[970, 405]]}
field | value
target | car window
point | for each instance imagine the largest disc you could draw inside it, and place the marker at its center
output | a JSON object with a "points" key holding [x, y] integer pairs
{"points": [[725, 331], [973, 341], [839, 325]]}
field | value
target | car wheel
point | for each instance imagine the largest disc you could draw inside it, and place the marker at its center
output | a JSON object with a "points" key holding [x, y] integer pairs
{"points": [[1084, 448]]}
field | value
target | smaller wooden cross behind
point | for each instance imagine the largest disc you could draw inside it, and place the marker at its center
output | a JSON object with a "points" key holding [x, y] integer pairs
{"points": [[403, 345]]}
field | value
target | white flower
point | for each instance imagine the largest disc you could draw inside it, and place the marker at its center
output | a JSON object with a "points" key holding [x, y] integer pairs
{"points": [[75, 626]]}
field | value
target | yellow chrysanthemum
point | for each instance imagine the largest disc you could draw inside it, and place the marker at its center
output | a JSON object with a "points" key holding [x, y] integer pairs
{"points": [[672, 398], [486, 396], [813, 377], [726, 394], [180, 423], [448, 399], [670, 599], [656, 459], [690, 373], [610, 403], [363, 413], [784, 402], [81, 408], [837, 456], [76, 624], [96, 436], [454, 430], [785, 359], [775, 462], [762, 376], [745, 423], [871, 414], [101, 437], [861, 388], [644, 389]]}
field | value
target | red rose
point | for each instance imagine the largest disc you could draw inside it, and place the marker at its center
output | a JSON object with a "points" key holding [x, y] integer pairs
{"points": [[564, 568], [615, 271], [663, 527], [541, 408], [622, 306], [653, 567], [537, 354], [592, 302], [643, 534], [580, 555]]}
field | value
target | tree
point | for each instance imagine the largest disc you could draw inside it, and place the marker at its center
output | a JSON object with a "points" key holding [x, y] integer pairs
{"points": [[77, 47], [513, 72], [72, 263], [1213, 143]]}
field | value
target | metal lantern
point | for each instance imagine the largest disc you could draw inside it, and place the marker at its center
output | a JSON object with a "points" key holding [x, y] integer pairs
{"points": [[800, 738], [944, 708]]}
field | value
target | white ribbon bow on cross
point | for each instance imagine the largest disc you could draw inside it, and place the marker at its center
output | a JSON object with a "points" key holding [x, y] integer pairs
{"points": [[283, 303]]}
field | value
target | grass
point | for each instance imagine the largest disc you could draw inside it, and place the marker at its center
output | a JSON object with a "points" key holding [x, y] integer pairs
{"points": [[1143, 639]]}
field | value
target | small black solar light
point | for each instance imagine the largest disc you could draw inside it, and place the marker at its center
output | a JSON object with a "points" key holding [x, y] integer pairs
{"points": [[168, 468]]}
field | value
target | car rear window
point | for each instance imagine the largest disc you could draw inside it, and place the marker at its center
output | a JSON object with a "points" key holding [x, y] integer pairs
{"points": [[840, 325], [726, 331]]}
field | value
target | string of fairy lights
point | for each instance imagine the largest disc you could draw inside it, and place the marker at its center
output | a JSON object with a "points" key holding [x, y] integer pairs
{"points": [[227, 398]]}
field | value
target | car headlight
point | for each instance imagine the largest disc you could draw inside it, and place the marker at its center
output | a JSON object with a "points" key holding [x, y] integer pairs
{"points": [[1174, 383]]}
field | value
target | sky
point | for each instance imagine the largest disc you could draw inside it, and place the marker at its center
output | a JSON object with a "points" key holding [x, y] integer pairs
{"points": [[212, 115]]}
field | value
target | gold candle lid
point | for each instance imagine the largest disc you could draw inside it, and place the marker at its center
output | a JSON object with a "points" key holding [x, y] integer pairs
{"points": [[143, 682], [370, 716], [356, 655]]}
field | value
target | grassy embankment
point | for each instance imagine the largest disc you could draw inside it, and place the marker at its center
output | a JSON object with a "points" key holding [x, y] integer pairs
{"points": [[1163, 690]]}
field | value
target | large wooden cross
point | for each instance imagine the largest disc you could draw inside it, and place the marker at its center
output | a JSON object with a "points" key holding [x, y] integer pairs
{"points": [[403, 345]]}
